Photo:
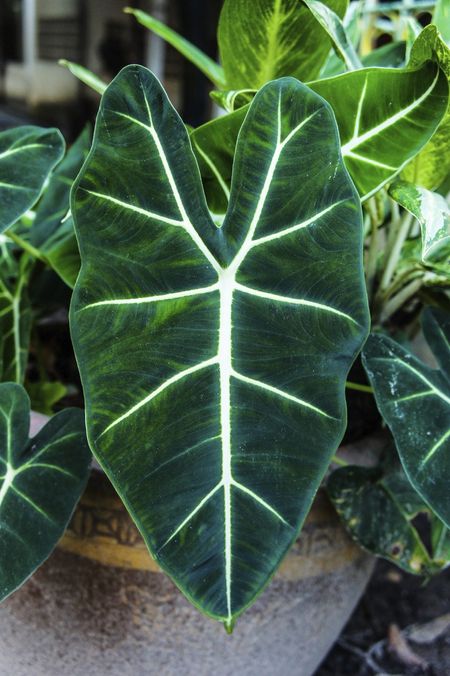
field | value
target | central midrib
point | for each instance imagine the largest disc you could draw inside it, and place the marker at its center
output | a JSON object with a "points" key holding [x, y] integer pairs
{"points": [[226, 285]]}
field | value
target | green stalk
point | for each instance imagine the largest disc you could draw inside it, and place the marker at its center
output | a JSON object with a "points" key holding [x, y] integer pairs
{"points": [[400, 236], [358, 387], [26, 246], [371, 265], [400, 299]]}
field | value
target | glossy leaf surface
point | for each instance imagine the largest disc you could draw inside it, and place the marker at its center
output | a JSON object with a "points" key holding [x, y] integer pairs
{"points": [[27, 156], [213, 360], [41, 479], [414, 400], [266, 39], [432, 212]]}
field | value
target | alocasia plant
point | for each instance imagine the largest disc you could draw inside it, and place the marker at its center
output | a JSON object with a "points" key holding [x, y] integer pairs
{"points": [[221, 300], [216, 358]]}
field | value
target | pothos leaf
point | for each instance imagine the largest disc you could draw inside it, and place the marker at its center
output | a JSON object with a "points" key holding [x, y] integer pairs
{"points": [[213, 360], [432, 212], [41, 480], [266, 39], [414, 400], [27, 156]]}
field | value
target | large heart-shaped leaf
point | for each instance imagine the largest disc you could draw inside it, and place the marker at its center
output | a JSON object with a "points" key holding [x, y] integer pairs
{"points": [[414, 400], [41, 480], [213, 359], [27, 156], [265, 39], [385, 116]]}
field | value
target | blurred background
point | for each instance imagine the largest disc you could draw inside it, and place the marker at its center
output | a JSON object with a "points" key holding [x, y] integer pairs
{"points": [[34, 34]]}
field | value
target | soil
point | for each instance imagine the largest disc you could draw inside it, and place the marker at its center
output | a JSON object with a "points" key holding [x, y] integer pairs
{"points": [[400, 627]]}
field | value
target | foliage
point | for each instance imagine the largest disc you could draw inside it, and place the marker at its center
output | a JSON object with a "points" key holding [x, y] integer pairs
{"points": [[221, 299]]}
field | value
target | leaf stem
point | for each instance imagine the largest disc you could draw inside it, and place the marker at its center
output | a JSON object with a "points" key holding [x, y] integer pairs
{"points": [[400, 299], [359, 387], [26, 246], [372, 256], [401, 233], [339, 461]]}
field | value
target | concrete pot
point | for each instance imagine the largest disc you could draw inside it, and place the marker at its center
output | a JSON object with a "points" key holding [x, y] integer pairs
{"points": [[100, 605]]}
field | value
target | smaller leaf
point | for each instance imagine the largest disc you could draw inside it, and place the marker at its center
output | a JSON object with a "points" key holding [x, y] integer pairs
{"points": [[202, 61], [391, 55], [27, 156], [432, 212], [414, 400], [335, 28], [84, 75], [377, 510], [41, 480], [45, 394]]}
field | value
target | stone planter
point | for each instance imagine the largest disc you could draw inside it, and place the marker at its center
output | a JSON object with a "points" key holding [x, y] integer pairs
{"points": [[100, 605]]}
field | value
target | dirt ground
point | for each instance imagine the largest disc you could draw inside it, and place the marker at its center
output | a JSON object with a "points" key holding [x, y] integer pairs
{"points": [[400, 627]]}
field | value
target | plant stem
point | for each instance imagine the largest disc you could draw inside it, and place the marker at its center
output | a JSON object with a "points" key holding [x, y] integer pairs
{"points": [[359, 387], [401, 233], [26, 246], [371, 266], [339, 461], [400, 299]]}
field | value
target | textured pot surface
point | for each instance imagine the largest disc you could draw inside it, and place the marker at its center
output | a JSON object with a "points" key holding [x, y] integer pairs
{"points": [[100, 606]]}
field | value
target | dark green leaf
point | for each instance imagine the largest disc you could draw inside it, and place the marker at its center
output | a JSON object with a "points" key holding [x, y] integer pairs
{"points": [[414, 400], [214, 360], [27, 156], [41, 480], [377, 509]]}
